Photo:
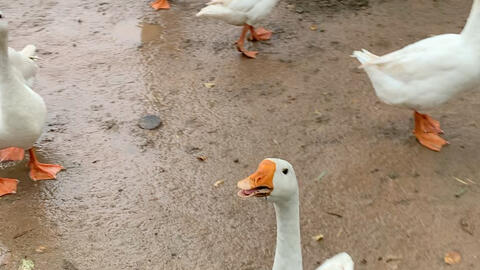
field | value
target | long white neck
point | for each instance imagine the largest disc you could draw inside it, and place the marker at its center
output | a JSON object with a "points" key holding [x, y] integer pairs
{"points": [[288, 255], [471, 30]]}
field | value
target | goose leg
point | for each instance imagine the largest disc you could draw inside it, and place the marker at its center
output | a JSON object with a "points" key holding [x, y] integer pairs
{"points": [[8, 186], [241, 42], [160, 4], [42, 171], [12, 154], [259, 33], [427, 132]]}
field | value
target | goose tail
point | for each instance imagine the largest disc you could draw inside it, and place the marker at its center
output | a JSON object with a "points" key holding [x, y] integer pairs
{"points": [[29, 51], [364, 57]]}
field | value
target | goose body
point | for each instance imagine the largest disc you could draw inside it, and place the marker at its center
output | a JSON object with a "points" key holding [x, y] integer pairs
{"points": [[427, 73], [22, 111], [23, 62], [241, 12], [275, 179], [238, 12]]}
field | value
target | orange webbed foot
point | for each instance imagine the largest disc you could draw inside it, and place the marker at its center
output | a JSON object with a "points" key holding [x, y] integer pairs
{"points": [[260, 34], [434, 125], [431, 141], [160, 4], [249, 54], [8, 186], [426, 131], [12, 154], [42, 171]]}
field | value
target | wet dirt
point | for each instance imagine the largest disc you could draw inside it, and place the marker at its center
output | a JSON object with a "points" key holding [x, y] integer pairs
{"points": [[132, 198]]}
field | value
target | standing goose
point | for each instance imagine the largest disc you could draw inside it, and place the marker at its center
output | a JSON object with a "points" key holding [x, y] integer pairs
{"points": [[427, 73], [275, 179], [241, 12], [22, 117]]}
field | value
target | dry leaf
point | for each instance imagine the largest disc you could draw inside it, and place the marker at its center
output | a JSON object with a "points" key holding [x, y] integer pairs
{"points": [[209, 84], [202, 158], [40, 249], [322, 174], [452, 257], [314, 27], [318, 237], [218, 183], [461, 181]]}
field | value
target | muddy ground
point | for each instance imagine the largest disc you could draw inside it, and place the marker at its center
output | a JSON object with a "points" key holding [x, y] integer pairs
{"points": [[137, 199]]}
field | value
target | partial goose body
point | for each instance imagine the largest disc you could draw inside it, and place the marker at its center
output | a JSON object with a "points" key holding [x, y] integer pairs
{"points": [[275, 179], [22, 113], [23, 62], [241, 12], [427, 73]]}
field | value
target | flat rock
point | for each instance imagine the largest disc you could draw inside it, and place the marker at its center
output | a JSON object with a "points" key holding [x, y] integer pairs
{"points": [[150, 122]]}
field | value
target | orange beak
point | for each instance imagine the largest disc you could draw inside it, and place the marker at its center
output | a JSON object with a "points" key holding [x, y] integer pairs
{"points": [[260, 183]]}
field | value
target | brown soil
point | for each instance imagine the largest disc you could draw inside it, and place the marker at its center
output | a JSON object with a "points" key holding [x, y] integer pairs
{"points": [[140, 199]]}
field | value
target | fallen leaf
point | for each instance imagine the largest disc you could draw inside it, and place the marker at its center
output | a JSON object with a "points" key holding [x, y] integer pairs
{"points": [[209, 85], [314, 27], [40, 249], [202, 158], [319, 178], [452, 257], [461, 192], [26, 265], [218, 183], [318, 237]]}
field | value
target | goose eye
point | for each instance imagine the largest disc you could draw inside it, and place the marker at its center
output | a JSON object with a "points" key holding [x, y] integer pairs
{"points": [[1, 16], [285, 171]]}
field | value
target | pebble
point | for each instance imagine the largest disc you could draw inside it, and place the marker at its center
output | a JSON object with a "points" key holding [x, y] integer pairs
{"points": [[150, 122]]}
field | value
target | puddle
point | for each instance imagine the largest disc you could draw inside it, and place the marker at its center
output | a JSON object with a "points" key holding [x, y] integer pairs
{"points": [[132, 31]]}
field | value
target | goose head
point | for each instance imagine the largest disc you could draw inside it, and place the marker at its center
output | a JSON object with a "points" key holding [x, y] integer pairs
{"points": [[274, 179]]}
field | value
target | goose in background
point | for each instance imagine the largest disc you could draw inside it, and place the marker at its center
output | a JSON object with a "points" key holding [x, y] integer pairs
{"points": [[241, 12], [426, 74]]}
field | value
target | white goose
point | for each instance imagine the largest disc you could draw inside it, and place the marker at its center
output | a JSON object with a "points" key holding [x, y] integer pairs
{"points": [[241, 12], [22, 116], [275, 179], [428, 73], [23, 62]]}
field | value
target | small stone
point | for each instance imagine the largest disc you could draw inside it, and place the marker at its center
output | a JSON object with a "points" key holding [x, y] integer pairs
{"points": [[150, 122]]}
